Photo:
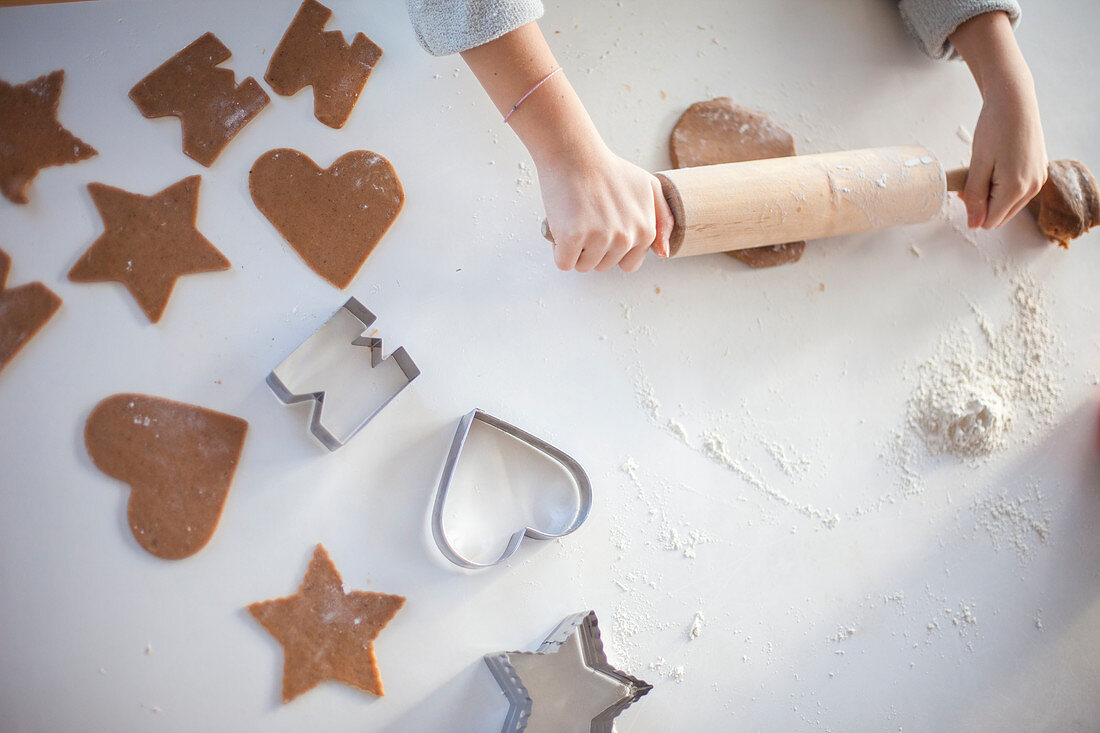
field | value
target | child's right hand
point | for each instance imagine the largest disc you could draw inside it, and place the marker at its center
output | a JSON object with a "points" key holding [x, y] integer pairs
{"points": [[603, 211]]}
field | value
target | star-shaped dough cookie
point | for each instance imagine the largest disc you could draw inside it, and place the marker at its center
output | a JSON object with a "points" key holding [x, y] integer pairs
{"points": [[327, 634], [23, 310], [31, 138], [148, 242]]}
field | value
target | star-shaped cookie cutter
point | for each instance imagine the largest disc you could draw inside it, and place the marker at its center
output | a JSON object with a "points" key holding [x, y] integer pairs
{"points": [[584, 489], [569, 677], [346, 328]]}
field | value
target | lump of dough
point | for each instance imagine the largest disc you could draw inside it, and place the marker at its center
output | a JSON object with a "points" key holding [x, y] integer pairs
{"points": [[722, 131], [1068, 204]]}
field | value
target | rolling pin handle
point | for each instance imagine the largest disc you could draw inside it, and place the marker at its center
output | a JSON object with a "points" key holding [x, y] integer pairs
{"points": [[956, 179]]}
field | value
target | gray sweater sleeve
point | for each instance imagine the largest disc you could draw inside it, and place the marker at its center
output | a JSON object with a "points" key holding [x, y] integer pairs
{"points": [[932, 21], [449, 26]]}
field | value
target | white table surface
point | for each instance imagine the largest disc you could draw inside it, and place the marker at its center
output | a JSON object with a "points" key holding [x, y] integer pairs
{"points": [[905, 616]]}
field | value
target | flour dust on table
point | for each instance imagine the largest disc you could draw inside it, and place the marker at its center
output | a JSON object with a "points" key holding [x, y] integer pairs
{"points": [[967, 399]]}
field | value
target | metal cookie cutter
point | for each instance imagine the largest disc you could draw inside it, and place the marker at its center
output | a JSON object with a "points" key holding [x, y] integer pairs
{"points": [[575, 687], [584, 489], [330, 367]]}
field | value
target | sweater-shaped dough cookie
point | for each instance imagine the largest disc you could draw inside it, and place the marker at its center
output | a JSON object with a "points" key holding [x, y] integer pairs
{"points": [[308, 55], [721, 131], [210, 105]]}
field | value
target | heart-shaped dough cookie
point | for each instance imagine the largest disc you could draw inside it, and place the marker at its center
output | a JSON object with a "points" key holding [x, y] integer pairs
{"points": [[178, 459], [332, 217]]}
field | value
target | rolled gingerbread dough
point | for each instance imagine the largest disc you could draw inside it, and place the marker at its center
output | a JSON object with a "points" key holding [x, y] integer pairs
{"points": [[721, 131]]}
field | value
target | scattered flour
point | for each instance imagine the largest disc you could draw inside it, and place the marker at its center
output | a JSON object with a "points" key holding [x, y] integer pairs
{"points": [[635, 622], [1019, 522], [962, 618], [843, 633], [966, 402], [715, 448], [663, 668], [525, 178], [696, 627]]}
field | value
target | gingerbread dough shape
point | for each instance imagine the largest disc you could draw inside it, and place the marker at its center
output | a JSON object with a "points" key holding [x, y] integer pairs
{"points": [[307, 55], [148, 242], [179, 461], [31, 138], [210, 106], [721, 131], [334, 217], [1068, 205], [327, 634], [23, 310]]}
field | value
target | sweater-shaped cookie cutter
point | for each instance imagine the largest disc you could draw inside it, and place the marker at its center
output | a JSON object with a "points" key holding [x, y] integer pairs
{"points": [[303, 375], [574, 469], [556, 673]]}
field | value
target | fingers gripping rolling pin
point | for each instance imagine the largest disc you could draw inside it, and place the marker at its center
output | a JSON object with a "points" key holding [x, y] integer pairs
{"points": [[731, 206]]}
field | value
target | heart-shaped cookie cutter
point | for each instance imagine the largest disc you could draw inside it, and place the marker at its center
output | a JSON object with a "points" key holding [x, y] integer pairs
{"points": [[584, 489]]}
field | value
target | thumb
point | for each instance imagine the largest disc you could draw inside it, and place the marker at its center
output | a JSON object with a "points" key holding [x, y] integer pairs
{"points": [[976, 192]]}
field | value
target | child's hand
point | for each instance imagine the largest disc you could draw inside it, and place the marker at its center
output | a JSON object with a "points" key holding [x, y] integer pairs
{"points": [[1008, 160], [603, 211]]}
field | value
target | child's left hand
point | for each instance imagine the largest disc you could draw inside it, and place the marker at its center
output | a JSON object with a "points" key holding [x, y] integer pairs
{"points": [[1008, 160]]}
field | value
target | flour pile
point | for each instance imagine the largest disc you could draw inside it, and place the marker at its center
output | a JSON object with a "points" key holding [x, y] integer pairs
{"points": [[965, 403]]}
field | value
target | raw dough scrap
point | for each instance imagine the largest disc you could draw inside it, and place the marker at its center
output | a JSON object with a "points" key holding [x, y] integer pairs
{"points": [[148, 242], [179, 461], [23, 310], [327, 634], [332, 217], [721, 131], [31, 138], [210, 105], [1068, 204], [308, 55]]}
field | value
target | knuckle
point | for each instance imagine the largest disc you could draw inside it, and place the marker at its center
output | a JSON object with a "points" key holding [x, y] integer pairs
{"points": [[619, 248], [1019, 185], [572, 238]]}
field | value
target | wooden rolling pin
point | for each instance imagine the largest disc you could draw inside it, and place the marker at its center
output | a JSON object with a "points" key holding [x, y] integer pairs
{"points": [[720, 208]]}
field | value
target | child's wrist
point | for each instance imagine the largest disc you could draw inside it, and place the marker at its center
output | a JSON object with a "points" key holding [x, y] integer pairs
{"points": [[568, 150], [988, 45], [555, 127]]}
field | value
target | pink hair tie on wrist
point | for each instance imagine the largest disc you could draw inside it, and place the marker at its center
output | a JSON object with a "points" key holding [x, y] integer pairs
{"points": [[529, 93]]}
